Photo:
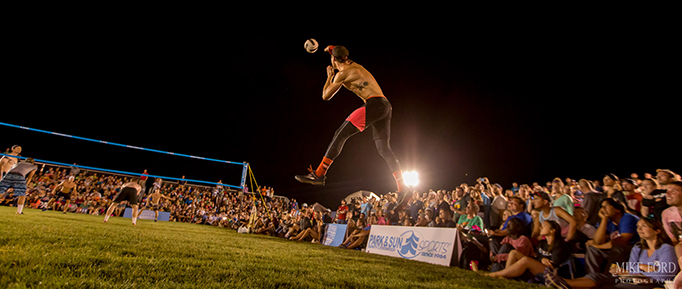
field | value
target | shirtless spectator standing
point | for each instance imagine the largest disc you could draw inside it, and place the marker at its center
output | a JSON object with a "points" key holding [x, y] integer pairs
{"points": [[65, 189], [128, 193]]}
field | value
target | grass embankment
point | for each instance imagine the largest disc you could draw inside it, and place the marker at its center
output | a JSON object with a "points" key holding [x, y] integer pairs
{"points": [[54, 250]]}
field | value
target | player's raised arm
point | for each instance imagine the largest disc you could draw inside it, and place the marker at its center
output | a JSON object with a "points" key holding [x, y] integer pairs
{"points": [[333, 83]]}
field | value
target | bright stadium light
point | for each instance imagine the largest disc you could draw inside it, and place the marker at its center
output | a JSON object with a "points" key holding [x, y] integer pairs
{"points": [[411, 178]]}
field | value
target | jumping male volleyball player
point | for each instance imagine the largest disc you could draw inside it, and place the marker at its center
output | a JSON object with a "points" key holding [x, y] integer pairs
{"points": [[375, 113], [128, 193]]}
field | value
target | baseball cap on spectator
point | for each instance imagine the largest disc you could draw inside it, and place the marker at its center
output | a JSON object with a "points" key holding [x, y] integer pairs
{"points": [[631, 181], [542, 194]]}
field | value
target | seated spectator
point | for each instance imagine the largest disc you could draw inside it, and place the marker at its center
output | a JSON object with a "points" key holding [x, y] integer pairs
{"points": [[381, 219], [564, 200], [422, 221], [613, 190], [518, 208], [550, 253], [633, 198], [471, 221], [591, 201], [430, 217], [514, 240], [614, 238], [314, 231], [653, 199], [541, 203], [446, 217], [652, 261], [584, 232], [358, 236], [505, 215], [672, 216]]}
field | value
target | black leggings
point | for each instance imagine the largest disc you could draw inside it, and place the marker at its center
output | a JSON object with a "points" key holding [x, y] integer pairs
{"points": [[375, 113]]}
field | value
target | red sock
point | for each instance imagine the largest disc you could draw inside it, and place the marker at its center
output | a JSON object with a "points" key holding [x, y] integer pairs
{"points": [[398, 175], [324, 166]]}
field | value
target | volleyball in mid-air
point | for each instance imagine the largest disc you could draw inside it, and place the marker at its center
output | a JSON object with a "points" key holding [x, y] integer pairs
{"points": [[310, 45]]}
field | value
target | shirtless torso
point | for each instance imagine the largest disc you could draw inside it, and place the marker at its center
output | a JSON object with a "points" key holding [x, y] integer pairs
{"points": [[67, 186], [357, 79], [155, 197], [350, 75]]}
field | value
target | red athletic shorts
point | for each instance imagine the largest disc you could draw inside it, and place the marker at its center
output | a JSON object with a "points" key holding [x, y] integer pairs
{"points": [[376, 112]]}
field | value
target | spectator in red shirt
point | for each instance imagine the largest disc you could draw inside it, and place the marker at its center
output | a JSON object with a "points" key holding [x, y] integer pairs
{"points": [[341, 213]]}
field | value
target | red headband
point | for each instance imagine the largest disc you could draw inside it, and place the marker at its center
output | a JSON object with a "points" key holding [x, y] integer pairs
{"points": [[331, 48]]}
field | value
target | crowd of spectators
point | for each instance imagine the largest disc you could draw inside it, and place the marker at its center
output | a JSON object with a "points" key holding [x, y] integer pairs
{"points": [[529, 231]]}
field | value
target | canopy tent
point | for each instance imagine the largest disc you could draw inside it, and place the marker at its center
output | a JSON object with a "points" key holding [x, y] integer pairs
{"points": [[361, 193], [318, 208]]}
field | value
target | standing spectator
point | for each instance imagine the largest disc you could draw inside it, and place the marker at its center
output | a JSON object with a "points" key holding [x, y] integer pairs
{"points": [[415, 205], [483, 185], [341, 212], [515, 188], [75, 170], [461, 201], [365, 206], [143, 182]]}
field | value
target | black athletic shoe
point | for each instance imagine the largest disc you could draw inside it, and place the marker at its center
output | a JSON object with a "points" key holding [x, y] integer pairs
{"points": [[311, 178]]}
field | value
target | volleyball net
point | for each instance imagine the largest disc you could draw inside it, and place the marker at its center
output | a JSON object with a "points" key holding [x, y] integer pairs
{"points": [[244, 166]]}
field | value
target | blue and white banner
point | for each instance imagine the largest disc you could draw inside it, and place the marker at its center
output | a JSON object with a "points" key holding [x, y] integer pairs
{"points": [[334, 235], [431, 245], [147, 215]]}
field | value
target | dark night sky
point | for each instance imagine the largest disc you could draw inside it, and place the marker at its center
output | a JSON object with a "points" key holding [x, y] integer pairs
{"points": [[509, 103]]}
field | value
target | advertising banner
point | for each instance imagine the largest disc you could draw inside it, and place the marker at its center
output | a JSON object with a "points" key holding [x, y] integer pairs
{"points": [[147, 215], [334, 235], [431, 245]]}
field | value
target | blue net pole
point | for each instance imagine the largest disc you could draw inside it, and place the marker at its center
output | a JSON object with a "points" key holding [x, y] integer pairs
{"points": [[122, 172]]}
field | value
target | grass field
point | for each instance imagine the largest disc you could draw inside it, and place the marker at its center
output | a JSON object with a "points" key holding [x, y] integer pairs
{"points": [[54, 250]]}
